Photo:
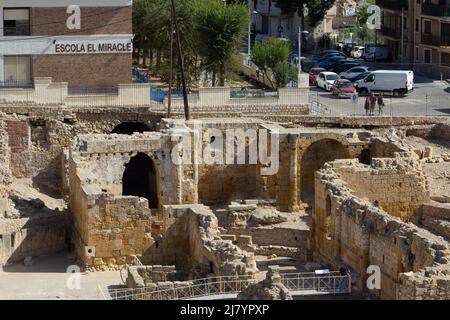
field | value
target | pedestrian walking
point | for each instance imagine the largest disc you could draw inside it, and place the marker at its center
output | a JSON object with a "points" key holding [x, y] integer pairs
{"points": [[380, 101], [367, 105], [373, 101]]}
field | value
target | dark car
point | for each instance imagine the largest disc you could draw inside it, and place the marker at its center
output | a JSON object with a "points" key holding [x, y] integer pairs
{"points": [[329, 55], [326, 63], [326, 52], [341, 62], [344, 67], [359, 76], [307, 64]]}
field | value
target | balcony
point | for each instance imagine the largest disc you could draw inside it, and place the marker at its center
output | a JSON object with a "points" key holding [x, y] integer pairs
{"points": [[432, 40], [394, 5], [391, 32], [436, 10]]}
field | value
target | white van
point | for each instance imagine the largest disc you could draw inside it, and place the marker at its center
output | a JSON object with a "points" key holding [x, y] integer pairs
{"points": [[396, 82], [376, 52]]}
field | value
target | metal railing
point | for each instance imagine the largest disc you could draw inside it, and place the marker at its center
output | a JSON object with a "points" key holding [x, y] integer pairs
{"points": [[436, 40], [306, 283], [21, 30], [12, 84], [99, 91], [435, 10], [331, 283], [396, 5], [186, 289]]}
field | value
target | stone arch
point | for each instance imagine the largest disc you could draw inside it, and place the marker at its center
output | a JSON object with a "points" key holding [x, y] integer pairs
{"points": [[313, 158], [140, 179], [129, 127]]}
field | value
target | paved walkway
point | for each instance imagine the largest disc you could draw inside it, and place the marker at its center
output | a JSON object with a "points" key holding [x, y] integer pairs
{"points": [[47, 279]]}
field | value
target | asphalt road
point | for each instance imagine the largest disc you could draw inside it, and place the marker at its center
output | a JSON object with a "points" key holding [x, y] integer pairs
{"points": [[430, 97]]}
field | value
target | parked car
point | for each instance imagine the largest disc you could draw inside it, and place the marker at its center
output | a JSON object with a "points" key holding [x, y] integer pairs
{"points": [[329, 54], [359, 76], [326, 79], [325, 52], [313, 74], [397, 82], [344, 67], [307, 64], [376, 52], [343, 88], [353, 72], [326, 63], [340, 62]]}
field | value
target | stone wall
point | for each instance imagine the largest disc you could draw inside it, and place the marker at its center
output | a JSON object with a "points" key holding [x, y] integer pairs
{"points": [[204, 246], [436, 218], [141, 276], [112, 226], [350, 230], [41, 234], [398, 186]]}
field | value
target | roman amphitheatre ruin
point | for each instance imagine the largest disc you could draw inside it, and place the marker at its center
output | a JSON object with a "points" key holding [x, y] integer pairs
{"points": [[350, 192]]}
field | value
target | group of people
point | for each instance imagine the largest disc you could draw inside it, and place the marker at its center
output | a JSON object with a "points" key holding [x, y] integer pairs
{"points": [[371, 101]]}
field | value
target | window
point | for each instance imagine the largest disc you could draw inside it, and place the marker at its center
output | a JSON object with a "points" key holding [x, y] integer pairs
{"points": [[370, 78], [416, 54], [426, 26], [17, 69], [16, 22], [426, 55], [417, 26], [265, 25], [405, 23]]}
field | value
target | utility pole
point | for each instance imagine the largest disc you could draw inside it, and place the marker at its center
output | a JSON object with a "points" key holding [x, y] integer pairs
{"points": [[299, 51], [249, 43], [169, 106], [180, 54], [402, 35]]}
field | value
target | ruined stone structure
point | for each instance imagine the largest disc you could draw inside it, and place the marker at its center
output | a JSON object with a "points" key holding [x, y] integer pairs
{"points": [[115, 184]]}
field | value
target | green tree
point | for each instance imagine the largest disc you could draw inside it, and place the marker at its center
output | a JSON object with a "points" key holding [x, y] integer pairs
{"points": [[283, 73], [219, 28], [272, 56]]}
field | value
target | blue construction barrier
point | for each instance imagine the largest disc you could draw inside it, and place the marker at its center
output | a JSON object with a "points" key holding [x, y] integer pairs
{"points": [[157, 95]]}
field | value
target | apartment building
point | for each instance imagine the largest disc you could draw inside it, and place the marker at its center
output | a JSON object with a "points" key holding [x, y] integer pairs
{"points": [[270, 21], [45, 38], [426, 33]]}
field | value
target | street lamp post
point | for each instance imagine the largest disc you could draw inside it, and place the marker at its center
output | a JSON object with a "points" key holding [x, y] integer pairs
{"points": [[300, 32]]}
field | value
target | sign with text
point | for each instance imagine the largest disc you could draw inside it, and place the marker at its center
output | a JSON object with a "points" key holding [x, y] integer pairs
{"points": [[83, 48]]}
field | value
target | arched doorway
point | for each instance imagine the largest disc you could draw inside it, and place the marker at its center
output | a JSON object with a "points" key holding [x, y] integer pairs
{"points": [[130, 128], [139, 179], [365, 157], [313, 158]]}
